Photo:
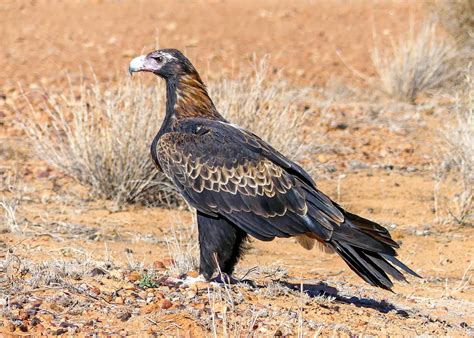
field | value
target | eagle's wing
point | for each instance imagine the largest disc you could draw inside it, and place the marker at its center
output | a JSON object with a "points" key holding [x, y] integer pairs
{"points": [[224, 170]]}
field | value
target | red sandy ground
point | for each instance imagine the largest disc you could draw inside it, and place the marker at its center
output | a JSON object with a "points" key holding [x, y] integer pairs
{"points": [[41, 40]]}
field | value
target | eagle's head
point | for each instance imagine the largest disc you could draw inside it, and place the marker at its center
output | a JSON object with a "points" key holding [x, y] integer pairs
{"points": [[166, 63]]}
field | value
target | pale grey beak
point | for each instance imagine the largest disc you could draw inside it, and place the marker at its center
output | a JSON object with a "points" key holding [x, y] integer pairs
{"points": [[137, 64]]}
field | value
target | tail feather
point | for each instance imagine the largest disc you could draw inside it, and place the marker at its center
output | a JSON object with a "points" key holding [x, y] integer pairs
{"points": [[379, 261], [369, 251], [402, 266], [363, 266]]}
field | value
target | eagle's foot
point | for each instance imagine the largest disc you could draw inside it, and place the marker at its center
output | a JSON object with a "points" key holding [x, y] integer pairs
{"points": [[188, 281], [224, 278]]}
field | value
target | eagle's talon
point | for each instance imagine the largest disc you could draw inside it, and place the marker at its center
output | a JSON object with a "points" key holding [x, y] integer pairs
{"points": [[225, 278]]}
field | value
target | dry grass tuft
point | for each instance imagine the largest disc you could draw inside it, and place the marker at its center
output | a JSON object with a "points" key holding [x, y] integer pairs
{"points": [[269, 108], [100, 136], [420, 60], [182, 247], [459, 152], [9, 207]]}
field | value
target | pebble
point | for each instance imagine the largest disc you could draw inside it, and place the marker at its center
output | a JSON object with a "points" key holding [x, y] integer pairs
{"points": [[133, 276], [159, 265], [166, 304], [56, 307], [95, 290], [23, 315], [36, 303], [125, 316], [149, 308]]}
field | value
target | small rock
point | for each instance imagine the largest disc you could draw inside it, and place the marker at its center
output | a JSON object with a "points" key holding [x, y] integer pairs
{"points": [[166, 304], [125, 316], [36, 303], [171, 26], [159, 265], [23, 327], [128, 53], [95, 290], [60, 331], [149, 308], [35, 321], [119, 300], [133, 276], [97, 272]]}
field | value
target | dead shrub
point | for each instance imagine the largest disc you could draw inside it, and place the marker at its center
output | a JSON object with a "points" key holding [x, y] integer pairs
{"points": [[419, 60], [100, 135], [267, 107], [182, 247]]}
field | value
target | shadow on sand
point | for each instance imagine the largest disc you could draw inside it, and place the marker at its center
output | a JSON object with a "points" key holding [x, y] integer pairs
{"points": [[322, 289]]}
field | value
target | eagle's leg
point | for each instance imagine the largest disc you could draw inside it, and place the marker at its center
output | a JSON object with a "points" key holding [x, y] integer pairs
{"points": [[220, 243]]}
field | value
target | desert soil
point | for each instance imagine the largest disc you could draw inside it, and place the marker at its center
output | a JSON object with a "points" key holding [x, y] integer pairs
{"points": [[77, 265]]}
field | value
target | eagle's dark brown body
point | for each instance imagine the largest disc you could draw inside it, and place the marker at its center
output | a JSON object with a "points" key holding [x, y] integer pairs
{"points": [[241, 186]]}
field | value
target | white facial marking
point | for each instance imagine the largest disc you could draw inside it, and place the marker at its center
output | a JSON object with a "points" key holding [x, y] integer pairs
{"points": [[137, 63]]}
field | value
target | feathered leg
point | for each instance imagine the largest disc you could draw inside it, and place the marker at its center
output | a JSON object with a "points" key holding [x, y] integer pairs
{"points": [[220, 243]]}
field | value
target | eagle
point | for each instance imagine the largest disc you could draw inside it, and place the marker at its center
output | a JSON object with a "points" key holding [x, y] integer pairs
{"points": [[241, 186]]}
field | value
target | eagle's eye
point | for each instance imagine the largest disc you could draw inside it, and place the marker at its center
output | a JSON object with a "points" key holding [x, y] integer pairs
{"points": [[159, 59]]}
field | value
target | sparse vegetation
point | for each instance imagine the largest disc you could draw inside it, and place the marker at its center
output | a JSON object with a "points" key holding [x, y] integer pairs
{"points": [[182, 249], [100, 136], [267, 107], [418, 61], [147, 281], [459, 152], [9, 214]]}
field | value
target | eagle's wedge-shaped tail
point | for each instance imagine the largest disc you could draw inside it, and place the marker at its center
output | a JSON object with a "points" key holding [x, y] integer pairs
{"points": [[354, 242]]}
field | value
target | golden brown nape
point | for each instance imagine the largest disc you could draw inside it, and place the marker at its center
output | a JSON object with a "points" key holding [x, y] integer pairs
{"points": [[192, 99]]}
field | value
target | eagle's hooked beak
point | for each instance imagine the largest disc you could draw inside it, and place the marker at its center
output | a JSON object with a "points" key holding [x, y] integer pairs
{"points": [[137, 64]]}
